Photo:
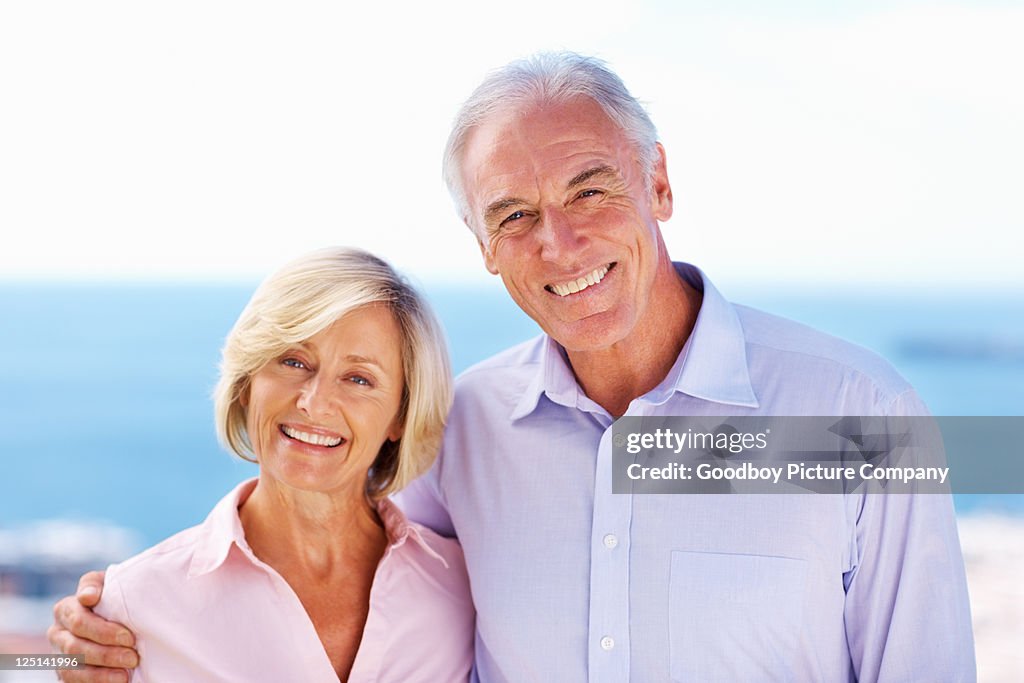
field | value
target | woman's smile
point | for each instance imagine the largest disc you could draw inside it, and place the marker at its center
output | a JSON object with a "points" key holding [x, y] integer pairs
{"points": [[312, 438]]}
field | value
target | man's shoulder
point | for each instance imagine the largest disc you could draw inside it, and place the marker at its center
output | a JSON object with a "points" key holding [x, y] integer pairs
{"points": [[516, 365], [793, 347]]}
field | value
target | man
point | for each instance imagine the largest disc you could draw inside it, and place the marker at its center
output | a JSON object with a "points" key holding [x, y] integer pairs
{"points": [[557, 171]]}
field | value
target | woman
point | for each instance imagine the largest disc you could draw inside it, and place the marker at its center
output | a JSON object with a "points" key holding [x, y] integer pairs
{"points": [[335, 380]]}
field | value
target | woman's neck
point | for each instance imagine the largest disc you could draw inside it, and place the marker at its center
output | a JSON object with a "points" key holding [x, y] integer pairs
{"points": [[317, 534], [327, 548]]}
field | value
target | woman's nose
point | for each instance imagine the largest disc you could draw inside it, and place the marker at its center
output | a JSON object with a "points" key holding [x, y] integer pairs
{"points": [[318, 397]]}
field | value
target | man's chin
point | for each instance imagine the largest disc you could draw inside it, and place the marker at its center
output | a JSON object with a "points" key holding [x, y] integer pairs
{"points": [[591, 334]]}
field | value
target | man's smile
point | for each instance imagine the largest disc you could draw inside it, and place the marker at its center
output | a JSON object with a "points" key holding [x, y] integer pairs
{"points": [[564, 289]]}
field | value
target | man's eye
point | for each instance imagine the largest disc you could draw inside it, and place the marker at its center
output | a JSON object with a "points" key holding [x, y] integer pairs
{"points": [[513, 217], [590, 193]]}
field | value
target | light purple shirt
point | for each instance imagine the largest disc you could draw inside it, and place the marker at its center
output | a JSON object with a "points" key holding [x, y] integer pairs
{"points": [[573, 583], [205, 608]]}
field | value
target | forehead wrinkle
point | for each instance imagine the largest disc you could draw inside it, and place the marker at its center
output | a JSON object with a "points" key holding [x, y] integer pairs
{"points": [[510, 137]]}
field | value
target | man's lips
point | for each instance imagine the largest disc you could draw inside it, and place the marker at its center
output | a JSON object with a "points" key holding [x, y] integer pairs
{"points": [[312, 438], [564, 289]]}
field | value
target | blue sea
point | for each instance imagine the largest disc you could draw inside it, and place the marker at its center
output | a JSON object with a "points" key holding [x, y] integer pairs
{"points": [[105, 388]]}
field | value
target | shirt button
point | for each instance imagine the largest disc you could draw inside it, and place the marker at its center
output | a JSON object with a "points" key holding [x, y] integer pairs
{"points": [[610, 541], [607, 643]]}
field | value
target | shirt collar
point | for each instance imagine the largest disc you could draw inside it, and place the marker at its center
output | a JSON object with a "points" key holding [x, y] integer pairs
{"points": [[223, 528], [399, 529], [553, 378], [712, 365]]}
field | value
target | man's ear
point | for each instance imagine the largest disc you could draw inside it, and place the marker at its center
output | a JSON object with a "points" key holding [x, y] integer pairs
{"points": [[661, 190], [489, 263]]}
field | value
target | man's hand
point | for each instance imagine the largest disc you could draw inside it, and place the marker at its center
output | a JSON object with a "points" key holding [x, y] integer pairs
{"points": [[105, 645]]}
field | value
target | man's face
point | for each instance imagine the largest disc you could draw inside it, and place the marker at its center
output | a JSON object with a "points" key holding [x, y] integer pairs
{"points": [[564, 216]]}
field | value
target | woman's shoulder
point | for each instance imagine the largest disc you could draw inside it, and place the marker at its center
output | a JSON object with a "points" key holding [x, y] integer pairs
{"points": [[425, 553], [129, 584], [421, 582], [448, 548], [173, 554], [187, 552]]}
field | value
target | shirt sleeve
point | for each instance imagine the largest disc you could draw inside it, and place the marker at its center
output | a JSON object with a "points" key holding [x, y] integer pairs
{"points": [[113, 607], [907, 613]]}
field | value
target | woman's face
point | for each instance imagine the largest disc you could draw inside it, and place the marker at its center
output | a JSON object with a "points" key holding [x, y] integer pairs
{"points": [[318, 414]]}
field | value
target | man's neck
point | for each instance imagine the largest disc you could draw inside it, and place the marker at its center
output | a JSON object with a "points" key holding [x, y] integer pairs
{"points": [[613, 377]]}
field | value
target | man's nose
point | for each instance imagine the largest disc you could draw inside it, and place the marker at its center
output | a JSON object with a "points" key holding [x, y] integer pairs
{"points": [[559, 234]]}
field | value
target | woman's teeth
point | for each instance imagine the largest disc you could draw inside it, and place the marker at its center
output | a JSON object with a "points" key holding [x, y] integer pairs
{"points": [[314, 439]]}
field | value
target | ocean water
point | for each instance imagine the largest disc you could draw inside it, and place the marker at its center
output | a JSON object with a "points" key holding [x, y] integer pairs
{"points": [[106, 414]]}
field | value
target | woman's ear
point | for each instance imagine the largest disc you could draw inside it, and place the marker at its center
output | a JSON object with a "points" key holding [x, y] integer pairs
{"points": [[397, 428]]}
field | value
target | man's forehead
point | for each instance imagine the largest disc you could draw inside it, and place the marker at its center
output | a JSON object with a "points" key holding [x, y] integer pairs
{"points": [[494, 191], [545, 147]]}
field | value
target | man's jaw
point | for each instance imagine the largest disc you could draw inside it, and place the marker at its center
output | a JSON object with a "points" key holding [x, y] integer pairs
{"points": [[577, 285]]}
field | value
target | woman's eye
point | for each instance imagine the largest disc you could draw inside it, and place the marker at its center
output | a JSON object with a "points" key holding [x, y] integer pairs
{"points": [[294, 363], [360, 380]]}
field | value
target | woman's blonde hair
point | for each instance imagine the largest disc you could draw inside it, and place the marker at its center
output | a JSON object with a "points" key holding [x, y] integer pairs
{"points": [[306, 297]]}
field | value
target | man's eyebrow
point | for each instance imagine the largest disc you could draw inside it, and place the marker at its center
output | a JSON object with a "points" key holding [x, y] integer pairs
{"points": [[496, 210], [583, 177]]}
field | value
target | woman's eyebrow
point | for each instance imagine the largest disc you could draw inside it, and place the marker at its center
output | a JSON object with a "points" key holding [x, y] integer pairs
{"points": [[350, 357], [365, 360]]}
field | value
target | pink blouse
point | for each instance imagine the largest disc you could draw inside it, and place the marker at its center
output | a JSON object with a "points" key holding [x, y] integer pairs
{"points": [[204, 608]]}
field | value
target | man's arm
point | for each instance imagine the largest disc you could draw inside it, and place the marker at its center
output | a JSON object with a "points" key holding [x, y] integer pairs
{"points": [[105, 645], [907, 612], [423, 503]]}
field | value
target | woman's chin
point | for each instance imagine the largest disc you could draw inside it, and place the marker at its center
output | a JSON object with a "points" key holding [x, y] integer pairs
{"points": [[312, 478]]}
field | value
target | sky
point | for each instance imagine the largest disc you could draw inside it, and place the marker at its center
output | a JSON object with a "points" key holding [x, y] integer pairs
{"points": [[811, 143]]}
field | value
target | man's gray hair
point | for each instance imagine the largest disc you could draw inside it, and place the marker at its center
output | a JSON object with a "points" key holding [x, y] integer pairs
{"points": [[548, 78]]}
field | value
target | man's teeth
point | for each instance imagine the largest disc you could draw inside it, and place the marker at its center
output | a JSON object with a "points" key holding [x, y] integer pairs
{"points": [[315, 439], [567, 288]]}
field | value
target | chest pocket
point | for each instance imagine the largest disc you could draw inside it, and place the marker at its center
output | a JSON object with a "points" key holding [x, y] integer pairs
{"points": [[734, 617]]}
